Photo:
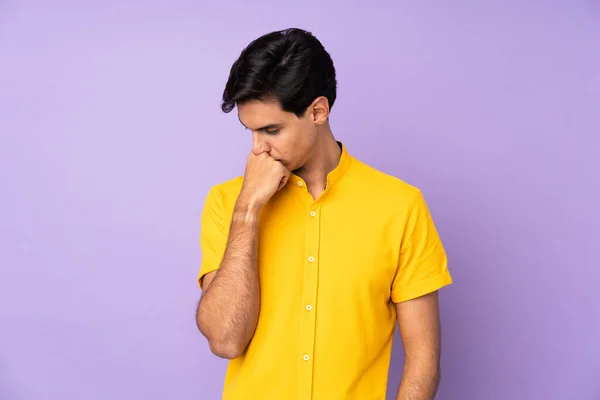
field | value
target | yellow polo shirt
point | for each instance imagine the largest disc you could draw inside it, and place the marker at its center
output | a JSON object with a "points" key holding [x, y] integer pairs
{"points": [[330, 270]]}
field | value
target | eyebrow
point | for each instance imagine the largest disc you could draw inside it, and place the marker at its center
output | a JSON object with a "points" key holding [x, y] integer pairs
{"points": [[262, 128]]}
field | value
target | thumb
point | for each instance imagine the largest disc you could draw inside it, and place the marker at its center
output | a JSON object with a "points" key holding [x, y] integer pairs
{"points": [[284, 181]]}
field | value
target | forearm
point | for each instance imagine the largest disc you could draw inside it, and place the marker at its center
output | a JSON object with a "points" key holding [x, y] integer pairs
{"points": [[228, 309], [420, 379]]}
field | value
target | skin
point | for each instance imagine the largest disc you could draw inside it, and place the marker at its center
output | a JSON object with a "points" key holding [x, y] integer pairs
{"points": [[228, 308], [419, 327]]}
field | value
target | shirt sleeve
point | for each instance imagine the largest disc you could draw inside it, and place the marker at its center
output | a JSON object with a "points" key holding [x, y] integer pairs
{"points": [[422, 265], [214, 233]]}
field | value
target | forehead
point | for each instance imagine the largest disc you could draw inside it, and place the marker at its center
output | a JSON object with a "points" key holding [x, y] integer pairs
{"points": [[256, 114]]}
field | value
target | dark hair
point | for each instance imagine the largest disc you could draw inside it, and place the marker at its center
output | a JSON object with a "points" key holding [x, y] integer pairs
{"points": [[290, 66]]}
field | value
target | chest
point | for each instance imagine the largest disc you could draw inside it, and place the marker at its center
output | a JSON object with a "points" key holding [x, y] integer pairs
{"points": [[336, 249]]}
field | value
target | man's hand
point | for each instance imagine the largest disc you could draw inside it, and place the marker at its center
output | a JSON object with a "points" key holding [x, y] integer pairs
{"points": [[264, 176]]}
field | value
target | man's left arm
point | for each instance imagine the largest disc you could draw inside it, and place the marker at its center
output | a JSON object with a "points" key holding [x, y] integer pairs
{"points": [[419, 328], [422, 271]]}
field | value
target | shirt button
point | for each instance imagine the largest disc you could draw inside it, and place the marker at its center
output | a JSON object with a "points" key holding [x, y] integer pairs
{"points": [[311, 259], [312, 213], [308, 307], [305, 357]]}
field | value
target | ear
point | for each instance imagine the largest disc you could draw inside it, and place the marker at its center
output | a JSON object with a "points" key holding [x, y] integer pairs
{"points": [[319, 110]]}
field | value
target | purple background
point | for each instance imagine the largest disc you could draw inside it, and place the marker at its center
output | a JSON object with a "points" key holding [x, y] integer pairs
{"points": [[111, 135]]}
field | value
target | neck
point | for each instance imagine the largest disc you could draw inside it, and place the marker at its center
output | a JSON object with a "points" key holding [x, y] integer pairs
{"points": [[325, 157]]}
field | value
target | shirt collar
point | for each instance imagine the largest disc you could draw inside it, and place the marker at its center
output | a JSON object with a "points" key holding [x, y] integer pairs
{"points": [[338, 172], [334, 175]]}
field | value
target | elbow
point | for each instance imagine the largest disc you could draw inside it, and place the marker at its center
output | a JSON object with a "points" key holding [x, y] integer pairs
{"points": [[221, 343], [228, 349], [225, 349]]}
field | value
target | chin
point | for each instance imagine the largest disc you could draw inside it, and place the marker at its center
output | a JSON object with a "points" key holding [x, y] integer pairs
{"points": [[290, 165], [293, 167]]}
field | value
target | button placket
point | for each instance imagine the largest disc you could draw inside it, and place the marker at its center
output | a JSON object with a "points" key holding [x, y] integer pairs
{"points": [[311, 272]]}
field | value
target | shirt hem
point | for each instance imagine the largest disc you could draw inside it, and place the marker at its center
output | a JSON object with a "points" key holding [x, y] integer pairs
{"points": [[430, 285]]}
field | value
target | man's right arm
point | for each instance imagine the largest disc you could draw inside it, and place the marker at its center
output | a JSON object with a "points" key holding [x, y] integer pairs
{"points": [[228, 309]]}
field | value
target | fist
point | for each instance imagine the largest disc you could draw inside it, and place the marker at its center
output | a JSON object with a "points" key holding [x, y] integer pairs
{"points": [[264, 177]]}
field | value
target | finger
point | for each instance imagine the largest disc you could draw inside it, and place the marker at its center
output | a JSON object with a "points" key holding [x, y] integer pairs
{"points": [[283, 182]]}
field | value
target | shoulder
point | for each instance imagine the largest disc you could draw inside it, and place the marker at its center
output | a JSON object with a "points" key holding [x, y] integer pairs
{"points": [[387, 197], [376, 183], [224, 194]]}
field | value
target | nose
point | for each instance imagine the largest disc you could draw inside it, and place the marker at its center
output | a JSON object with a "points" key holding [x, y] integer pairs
{"points": [[259, 144]]}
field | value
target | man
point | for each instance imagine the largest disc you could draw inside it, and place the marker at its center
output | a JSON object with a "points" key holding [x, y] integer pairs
{"points": [[310, 258]]}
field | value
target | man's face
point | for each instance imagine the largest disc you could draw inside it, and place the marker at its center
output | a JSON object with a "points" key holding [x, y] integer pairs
{"points": [[281, 134]]}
